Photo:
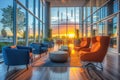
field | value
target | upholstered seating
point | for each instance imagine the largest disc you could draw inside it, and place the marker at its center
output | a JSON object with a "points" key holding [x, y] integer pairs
{"points": [[85, 43], [97, 51], [93, 40], [18, 55], [38, 48], [49, 44]]}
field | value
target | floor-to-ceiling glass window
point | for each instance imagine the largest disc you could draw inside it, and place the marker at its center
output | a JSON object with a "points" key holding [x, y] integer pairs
{"points": [[104, 20], [32, 11], [6, 23], [54, 22], [112, 31], [62, 21], [65, 22], [36, 32], [21, 25], [30, 28]]}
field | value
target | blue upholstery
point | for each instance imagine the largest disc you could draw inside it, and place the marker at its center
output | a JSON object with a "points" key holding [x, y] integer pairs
{"points": [[24, 47], [15, 56], [38, 48], [49, 44]]}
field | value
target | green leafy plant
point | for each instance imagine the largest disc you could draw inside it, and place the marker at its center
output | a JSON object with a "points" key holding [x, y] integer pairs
{"points": [[3, 32], [7, 19], [77, 34]]}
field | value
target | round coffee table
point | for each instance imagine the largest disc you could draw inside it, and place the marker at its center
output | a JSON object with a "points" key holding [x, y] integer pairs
{"points": [[58, 56]]}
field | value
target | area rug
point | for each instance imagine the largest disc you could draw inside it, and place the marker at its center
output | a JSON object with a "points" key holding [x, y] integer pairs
{"points": [[46, 62]]}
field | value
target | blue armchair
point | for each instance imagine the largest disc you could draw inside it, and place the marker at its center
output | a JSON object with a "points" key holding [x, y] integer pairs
{"points": [[38, 48], [16, 56], [49, 44]]}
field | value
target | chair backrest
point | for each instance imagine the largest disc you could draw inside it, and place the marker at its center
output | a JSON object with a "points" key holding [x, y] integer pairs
{"points": [[85, 42], [100, 46]]}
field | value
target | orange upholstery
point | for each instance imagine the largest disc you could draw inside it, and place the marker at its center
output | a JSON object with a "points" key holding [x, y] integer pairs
{"points": [[93, 40], [97, 51], [85, 43]]}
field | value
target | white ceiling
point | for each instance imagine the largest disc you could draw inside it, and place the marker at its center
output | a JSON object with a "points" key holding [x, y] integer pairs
{"points": [[67, 3]]}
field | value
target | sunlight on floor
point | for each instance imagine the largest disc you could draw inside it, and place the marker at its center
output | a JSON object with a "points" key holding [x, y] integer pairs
{"points": [[72, 48]]}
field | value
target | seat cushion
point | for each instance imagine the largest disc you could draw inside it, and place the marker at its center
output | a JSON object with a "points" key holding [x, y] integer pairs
{"points": [[95, 47]]}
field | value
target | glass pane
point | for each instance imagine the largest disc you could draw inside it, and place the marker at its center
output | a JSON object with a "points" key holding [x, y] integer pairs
{"points": [[30, 26], [54, 15], [36, 8], [41, 10], [31, 5], [21, 27], [6, 23], [112, 32], [36, 33]]}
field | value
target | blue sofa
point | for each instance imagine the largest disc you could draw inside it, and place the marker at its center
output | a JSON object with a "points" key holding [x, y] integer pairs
{"points": [[16, 56]]}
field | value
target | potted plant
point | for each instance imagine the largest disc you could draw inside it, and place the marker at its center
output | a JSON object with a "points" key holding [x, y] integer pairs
{"points": [[77, 39]]}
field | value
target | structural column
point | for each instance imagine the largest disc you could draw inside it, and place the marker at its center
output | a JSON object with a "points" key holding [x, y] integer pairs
{"points": [[39, 21], [86, 26], [34, 21], [118, 38], [82, 21], [47, 20], [14, 23], [91, 10], [110, 11], [26, 36]]}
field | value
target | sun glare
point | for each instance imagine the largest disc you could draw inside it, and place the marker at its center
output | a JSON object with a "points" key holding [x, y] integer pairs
{"points": [[71, 35]]}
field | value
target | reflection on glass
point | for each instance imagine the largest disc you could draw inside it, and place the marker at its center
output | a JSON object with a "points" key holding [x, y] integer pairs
{"points": [[113, 32], [21, 28], [6, 23], [30, 28]]}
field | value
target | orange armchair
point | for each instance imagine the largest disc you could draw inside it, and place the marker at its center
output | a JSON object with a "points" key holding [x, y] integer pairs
{"points": [[97, 51], [93, 40], [85, 43]]}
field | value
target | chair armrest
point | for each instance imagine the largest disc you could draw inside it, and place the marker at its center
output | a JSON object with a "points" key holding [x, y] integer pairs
{"points": [[24, 47], [17, 52], [86, 49]]}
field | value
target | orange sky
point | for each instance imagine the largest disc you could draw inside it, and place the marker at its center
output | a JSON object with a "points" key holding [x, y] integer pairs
{"points": [[62, 29]]}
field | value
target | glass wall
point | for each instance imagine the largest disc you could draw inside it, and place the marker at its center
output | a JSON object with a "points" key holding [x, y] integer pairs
{"points": [[33, 19], [24, 21], [21, 27], [30, 28], [6, 23], [65, 22], [103, 19]]}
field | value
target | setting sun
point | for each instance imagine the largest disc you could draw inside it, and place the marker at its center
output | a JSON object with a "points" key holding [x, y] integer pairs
{"points": [[71, 35]]}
